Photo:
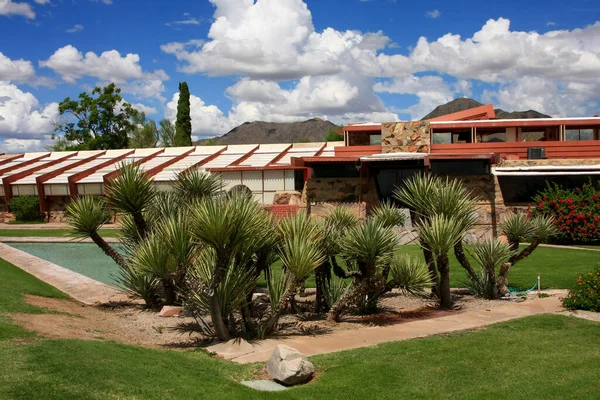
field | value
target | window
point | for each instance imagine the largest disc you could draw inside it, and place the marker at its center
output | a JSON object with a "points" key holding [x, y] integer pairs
{"points": [[452, 137], [539, 134], [579, 134], [492, 135], [375, 140]]}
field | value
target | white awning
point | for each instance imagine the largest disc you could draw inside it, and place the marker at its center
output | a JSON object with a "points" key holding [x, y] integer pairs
{"points": [[394, 157]]}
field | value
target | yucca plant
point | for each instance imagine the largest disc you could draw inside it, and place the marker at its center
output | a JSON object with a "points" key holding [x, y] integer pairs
{"points": [[139, 284], [301, 255], [519, 227], [228, 225], [86, 215], [439, 234], [370, 245], [491, 255], [131, 192], [388, 215], [410, 275], [195, 184], [232, 292]]}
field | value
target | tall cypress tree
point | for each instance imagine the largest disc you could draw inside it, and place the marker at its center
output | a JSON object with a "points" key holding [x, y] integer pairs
{"points": [[183, 126]]}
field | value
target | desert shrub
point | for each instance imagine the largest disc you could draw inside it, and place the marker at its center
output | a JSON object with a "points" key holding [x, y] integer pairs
{"points": [[26, 208], [576, 212], [585, 295]]}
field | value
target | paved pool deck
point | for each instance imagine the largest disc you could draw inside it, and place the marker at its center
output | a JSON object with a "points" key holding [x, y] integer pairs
{"points": [[81, 288], [243, 352]]}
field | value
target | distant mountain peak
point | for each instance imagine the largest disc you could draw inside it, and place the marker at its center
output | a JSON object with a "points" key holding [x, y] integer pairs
{"points": [[465, 103], [261, 132]]}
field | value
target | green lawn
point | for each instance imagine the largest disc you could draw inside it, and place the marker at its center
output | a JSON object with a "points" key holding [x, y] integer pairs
{"points": [[49, 232], [548, 356], [558, 267]]}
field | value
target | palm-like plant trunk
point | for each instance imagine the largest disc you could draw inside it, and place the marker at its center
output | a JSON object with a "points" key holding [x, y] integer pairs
{"points": [[219, 274], [459, 252], [108, 250], [443, 266], [502, 281], [321, 274], [288, 295], [170, 294], [140, 223], [428, 255], [526, 252]]}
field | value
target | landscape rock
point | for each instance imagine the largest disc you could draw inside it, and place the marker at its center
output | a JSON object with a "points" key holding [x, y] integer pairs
{"points": [[290, 367], [170, 311]]}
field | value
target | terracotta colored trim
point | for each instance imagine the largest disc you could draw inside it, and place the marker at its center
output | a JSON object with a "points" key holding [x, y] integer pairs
{"points": [[363, 128], [160, 167], [24, 163], [328, 160], [246, 168], [73, 179], [243, 158], [206, 160], [10, 158], [318, 153], [13, 178], [39, 181], [281, 155], [460, 156], [343, 151], [482, 112], [499, 123], [111, 175]]}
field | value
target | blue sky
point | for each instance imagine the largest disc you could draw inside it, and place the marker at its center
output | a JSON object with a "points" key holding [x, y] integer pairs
{"points": [[286, 60]]}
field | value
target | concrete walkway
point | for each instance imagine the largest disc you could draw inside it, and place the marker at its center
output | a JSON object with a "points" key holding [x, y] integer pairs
{"points": [[34, 239], [79, 287], [49, 225], [259, 351]]}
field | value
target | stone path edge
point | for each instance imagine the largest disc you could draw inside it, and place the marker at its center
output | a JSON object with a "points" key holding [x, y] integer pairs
{"points": [[259, 351], [79, 287]]}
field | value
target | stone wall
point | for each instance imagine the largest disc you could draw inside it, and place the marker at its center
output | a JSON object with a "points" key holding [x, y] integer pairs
{"points": [[412, 137]]}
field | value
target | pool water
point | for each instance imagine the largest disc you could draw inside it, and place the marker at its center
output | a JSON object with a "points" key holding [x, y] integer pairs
{"points": [[84, 258]]}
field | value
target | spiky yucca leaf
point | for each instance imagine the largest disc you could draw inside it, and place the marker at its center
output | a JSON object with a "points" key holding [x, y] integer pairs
{"points": [[301, 255], [341, 218], [227, 223], [335, 290], [490, 253], [232, 292], [140, 284], [151, 256], [410, 275], [543, 228], [440, 233], [369, 242], [164, 205], [131, 191], [197, 184], [388, 215], [86, 215], [417, 191], [516, 227], [277, 287]]}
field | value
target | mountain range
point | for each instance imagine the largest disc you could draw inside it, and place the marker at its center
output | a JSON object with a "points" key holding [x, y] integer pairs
{"points": [[315, 129]]}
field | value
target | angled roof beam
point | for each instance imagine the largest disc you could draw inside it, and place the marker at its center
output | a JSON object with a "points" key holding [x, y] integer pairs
{"points": [[10, 158], [39, 181], [73, 179], [243, 158], [111, 175], [10, 179], [23, 164], [160, 167]]}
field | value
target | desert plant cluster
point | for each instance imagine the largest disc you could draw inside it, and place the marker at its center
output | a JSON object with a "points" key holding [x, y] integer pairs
{"points": [[206, 248]]}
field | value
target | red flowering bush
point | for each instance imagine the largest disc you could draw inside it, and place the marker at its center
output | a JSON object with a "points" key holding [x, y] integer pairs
{"points": [[586, 293], [576, 212]]}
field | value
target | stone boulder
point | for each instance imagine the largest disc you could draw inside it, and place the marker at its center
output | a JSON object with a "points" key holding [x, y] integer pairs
{"points": [[290, 367], [170, 311]]}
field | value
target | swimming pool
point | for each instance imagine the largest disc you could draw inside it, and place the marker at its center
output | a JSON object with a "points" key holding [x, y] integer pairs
{"points": [[84, 258]]}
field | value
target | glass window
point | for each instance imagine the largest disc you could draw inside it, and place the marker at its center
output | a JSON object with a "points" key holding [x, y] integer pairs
{"points": [[579, 134], [375, 140], [442, 138]]}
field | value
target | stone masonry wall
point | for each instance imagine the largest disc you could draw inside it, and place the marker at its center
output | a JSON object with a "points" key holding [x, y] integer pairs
{"points": [[412, 137]]}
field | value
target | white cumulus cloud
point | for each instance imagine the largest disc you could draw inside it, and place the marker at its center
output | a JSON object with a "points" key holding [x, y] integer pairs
{"points": [[9, 8]]}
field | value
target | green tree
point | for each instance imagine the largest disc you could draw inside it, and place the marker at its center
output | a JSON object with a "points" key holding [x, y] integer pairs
{"points": [[183, 126], [145, 134], [166, 133], [333, 136], [98, 121]]}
